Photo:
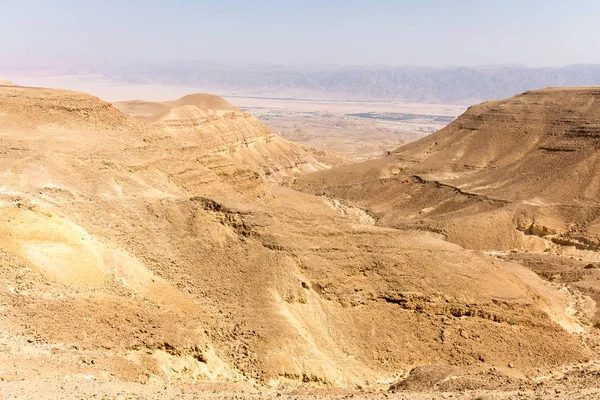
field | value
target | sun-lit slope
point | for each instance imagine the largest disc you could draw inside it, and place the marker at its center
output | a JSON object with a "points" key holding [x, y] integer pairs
{"points": [[229, 135], [68, 292], [537, 133], [491, 174], [517, 178], [6, 83], [550, 147], [127, 254]]}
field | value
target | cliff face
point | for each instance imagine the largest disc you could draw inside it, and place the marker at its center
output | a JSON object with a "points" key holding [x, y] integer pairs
{"points": [[155, 252]]}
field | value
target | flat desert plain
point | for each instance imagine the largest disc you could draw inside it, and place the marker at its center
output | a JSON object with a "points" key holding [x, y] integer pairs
{"points": [[359, 128]]}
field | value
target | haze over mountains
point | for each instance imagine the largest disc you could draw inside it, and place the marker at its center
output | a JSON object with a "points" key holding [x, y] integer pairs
{"points": [[465, 85], [461, 84]]}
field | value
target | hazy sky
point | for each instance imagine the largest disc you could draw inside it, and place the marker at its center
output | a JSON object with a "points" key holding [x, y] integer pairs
{"points": [[427, 32]]}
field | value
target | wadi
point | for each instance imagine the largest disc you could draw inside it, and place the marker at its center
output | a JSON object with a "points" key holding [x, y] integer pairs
{"points": [[181, 249]]}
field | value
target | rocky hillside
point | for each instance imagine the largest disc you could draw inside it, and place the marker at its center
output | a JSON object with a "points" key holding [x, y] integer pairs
{"points": [[533, 156], [129, 254], [227, 135], [516, 178]]}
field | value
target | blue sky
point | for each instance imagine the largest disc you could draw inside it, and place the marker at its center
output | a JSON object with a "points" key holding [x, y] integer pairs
{"points": [[426, 33]]}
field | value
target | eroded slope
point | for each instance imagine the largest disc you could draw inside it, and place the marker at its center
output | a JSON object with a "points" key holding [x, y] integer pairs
{"points": [[226, 134], [524, 164], [507, 177], [126, 256]]}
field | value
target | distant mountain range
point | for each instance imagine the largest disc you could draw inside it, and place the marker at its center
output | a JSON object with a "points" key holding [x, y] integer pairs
{"points": [[460, 85], [415, 84]]}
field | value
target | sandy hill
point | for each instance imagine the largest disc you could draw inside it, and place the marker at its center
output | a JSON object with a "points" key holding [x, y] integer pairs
{"points": [[48, 109], [227, 134], [149, 111], [518, 175], [533, 156], [6, 83], [129, 254], [204, 100]]}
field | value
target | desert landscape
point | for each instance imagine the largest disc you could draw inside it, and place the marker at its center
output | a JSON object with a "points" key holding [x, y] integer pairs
{"points": [[318, 200], [359, 129], [181, 249]]}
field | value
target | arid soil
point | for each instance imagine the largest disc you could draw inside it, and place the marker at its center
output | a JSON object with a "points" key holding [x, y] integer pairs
{"points": [[159, 255]]}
